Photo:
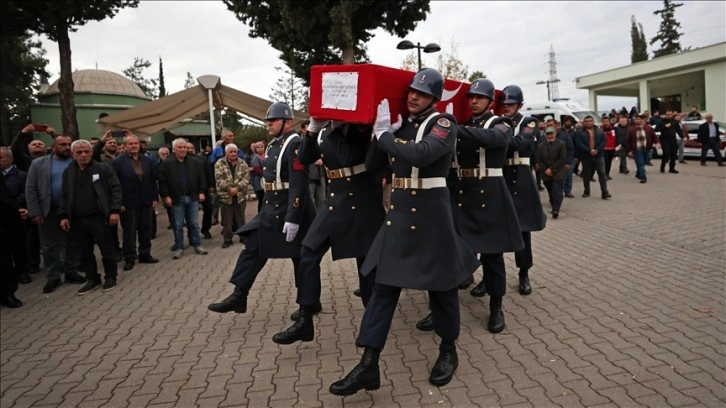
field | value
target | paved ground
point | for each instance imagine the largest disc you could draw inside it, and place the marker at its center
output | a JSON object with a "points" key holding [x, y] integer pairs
{"points": [[628, 310]]}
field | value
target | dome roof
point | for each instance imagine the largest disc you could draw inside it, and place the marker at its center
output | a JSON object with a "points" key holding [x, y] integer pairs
{"points": [[99, 81]]}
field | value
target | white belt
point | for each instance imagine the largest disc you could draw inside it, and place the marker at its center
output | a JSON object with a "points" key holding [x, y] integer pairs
{"points": [[277, 185], [419, 184], [517, 161], [493, 172], [346, 171]]}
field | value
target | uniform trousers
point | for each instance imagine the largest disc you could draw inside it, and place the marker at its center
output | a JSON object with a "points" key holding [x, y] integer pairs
{"points": [[250, 263], [523, 257], [85, 231], [308, 293], [33, 246], [13, 256], [495, 274], [377, 318], [133, 221]]}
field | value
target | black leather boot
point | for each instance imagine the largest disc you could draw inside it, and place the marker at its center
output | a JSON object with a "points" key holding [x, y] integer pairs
{"points": [[445, 365], [466, 283], [496, 316], [236, 302], [302, 330], [524, 287], [314, 310], [479, 290], [426, 324], [364, 376]]}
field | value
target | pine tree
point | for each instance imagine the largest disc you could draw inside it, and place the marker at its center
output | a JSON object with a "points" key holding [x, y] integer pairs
{"points": [[668, 34], [162, 88], [637, 38]]}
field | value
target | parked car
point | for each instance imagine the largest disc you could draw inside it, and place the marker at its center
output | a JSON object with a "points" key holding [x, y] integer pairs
{"points": [[693, 146]]}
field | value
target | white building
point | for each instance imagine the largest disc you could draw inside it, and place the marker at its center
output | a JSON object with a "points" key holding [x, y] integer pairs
{"points": [[678, 81]]}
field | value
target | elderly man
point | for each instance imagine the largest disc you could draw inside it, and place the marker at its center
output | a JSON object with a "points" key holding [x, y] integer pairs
{"points": [[232, 178], [91, 201], [218, 153], [43, 193]]}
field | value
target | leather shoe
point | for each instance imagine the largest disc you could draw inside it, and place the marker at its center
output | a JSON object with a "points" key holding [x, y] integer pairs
{"points": [[74, 277], [643, 180], [24, 278], [226, 244], [147, 259], [466, 283], [524, 287], [585, 195], [426, 324], [51, 285], [570, 195], [313, 311], [10, 301], [479, 290], [555, 214], [364, 376], [236, 302], [357, 293], [496, 319], [129, 265], [674, 171], [606, 195], [445, 365], [302, 330], [207, 235]]}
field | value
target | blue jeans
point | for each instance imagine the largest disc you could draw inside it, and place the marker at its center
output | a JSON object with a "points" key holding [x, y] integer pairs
{"points": [[641, 155], [568, 179], [187, 210], [53, 247]]}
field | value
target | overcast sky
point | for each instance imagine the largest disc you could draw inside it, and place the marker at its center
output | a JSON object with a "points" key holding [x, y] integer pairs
{"points": [[508, 41]]}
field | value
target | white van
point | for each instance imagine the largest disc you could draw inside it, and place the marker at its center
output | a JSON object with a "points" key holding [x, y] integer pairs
{"points": [[558, 109]]}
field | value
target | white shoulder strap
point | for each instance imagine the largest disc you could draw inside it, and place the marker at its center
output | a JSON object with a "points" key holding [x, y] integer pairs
{"points": [[282, 152], [419, 136], [483, 151]]}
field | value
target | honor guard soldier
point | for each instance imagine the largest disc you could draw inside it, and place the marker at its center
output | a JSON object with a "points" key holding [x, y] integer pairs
{"points": [[417, 246], [347, 222], [277, 231], [521, 181]]}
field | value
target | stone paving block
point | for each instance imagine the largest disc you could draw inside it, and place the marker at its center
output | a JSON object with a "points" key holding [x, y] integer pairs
{"points": [[188, 397], [506, 392]]}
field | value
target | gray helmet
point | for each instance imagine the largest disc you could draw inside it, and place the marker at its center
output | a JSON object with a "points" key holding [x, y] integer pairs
{"points": [[482, 87], [428, 81], [512, 94], [279, 110]]}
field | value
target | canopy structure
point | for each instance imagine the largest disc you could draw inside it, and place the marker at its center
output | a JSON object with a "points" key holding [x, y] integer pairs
{"points": [[166, 113]]}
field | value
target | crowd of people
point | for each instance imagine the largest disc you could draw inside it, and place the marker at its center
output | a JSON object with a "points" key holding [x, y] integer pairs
{"points": [[377, 193]]}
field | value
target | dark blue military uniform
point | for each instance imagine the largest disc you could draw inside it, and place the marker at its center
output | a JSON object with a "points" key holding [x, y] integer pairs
{"points": [[286, 200], [417, 246], [522, 185], [484, 211], [351, 213]]}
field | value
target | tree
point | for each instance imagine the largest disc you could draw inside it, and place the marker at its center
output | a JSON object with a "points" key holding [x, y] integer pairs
{"points": [[136, 73], [290, 90], [162, 88], [476, 75], [668, 34], [189, 81], [637, 38], [56, 19], [410, 62], [311, 32], [21, 66], [450, 65]]}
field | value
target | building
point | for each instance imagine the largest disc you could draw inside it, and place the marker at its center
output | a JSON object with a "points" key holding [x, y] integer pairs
{"points": [[96, 92], [677, 81]]}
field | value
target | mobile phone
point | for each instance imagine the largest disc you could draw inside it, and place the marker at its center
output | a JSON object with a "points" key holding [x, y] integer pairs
{"points": [[118, 133], [40, 128]]}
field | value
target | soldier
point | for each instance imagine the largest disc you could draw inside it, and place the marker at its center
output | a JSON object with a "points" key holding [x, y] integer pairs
{"points": [[520, 180], [419, 220], [277, 231], [347, 221]]}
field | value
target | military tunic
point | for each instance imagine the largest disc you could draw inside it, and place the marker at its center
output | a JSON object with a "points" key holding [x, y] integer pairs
{"points": [[289, 202], [417, 246], [352, 212], [518, 174], [484, 211]]}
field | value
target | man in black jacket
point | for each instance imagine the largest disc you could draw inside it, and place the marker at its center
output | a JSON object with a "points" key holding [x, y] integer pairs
{"points": [[621, 138], [590, 145], [91, 201], [13, 213], [710, 138], [668, 128]]}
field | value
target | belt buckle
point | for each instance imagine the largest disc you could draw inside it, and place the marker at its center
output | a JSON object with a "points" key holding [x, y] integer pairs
{"points": [[399, 183], [269, 186], [467, 172], [334, 174]]}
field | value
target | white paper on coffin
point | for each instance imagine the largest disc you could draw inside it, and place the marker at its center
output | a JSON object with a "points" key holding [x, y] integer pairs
{"points": [[340, 90]]}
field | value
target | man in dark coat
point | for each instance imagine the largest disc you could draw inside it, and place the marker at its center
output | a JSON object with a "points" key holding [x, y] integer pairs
{"points": [[278, 230], [710, 138], [590, 148], [668, 128], [347, 221], [551, 159], [420, 151], [520, 181], [13, 213]]}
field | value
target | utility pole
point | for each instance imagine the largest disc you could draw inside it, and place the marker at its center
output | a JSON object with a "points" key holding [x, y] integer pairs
{"points": [[553, 80]]}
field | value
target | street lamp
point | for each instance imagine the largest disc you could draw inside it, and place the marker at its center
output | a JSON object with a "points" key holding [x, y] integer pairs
{"points": [[429, 48], [548, 82]]}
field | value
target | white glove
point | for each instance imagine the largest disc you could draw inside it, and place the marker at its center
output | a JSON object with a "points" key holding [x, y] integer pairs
{"points": [[291, 230], [450, 108], [383, 119], [397, 124], [315, 125]]}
